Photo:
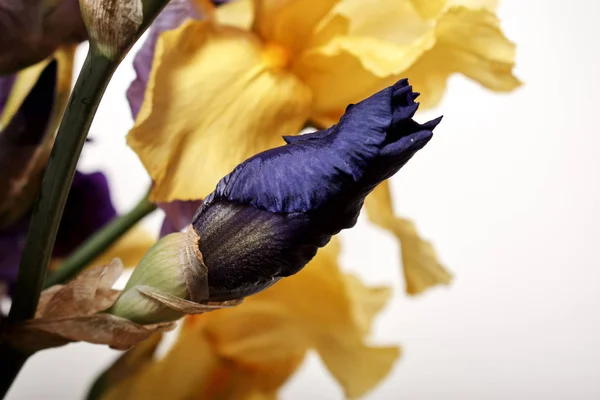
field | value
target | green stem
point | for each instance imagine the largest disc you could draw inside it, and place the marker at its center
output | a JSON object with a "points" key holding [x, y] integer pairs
{"points": [[99, 242], [48, 209]]}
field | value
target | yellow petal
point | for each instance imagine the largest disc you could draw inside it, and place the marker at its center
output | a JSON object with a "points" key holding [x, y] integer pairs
{"points": [[213, 100], [469, 42], [189, 366], [422, 269], [368, 301], [429, 8], [256, 333], [335, 318], [357, 368]]}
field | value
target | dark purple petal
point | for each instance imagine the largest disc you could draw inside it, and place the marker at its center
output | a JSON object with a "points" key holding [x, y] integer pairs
{"points": [[267, 218], [88, 209], [6, 84], [174, 14], [178, 215], [33, 30]]}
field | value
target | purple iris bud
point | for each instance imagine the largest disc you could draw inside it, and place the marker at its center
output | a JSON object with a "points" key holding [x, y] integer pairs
{"points": [[270, 215]]}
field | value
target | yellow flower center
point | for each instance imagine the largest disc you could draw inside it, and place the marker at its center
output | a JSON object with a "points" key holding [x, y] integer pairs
{"points": [[276, 55]]}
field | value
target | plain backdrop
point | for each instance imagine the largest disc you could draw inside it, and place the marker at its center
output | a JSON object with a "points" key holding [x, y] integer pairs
{"points": [[507, 190]]}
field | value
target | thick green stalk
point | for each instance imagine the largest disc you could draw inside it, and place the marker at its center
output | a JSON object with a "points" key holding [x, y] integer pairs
{"points": [[47, 212], [99, 242]]}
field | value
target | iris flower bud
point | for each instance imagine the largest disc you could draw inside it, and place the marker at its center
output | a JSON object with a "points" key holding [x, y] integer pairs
{"points": [[269, 216]]}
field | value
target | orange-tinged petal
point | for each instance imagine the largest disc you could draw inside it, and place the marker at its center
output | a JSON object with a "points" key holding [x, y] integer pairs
{"points": [[212, 101], [422, 269]]}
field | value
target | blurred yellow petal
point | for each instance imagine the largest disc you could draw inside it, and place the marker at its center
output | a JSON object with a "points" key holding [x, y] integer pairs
{"points": [[238, 13], [368, 301], [335, 318], [256, 332], [189, 366], [422, 269], [215, 97], [429, 8], [469, 42], [356, 367]]}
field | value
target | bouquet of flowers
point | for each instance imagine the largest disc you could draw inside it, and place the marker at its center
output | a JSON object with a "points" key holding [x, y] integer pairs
{"points": [[266, 126]]}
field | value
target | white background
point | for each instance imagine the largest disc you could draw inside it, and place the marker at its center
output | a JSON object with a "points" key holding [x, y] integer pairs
{"points": [[508, 191]]}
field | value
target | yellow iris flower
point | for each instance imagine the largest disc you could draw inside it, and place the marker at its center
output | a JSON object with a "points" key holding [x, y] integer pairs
{"points": [[249, 351], [227, 87]]}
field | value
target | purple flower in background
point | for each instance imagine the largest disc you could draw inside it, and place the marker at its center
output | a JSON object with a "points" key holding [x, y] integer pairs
{"points": [[88, 206], [267, 218]]}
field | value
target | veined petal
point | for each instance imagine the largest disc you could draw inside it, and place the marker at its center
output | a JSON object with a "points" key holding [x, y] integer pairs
{"points": [[422, 269], [213, 100], [173, 15]]}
